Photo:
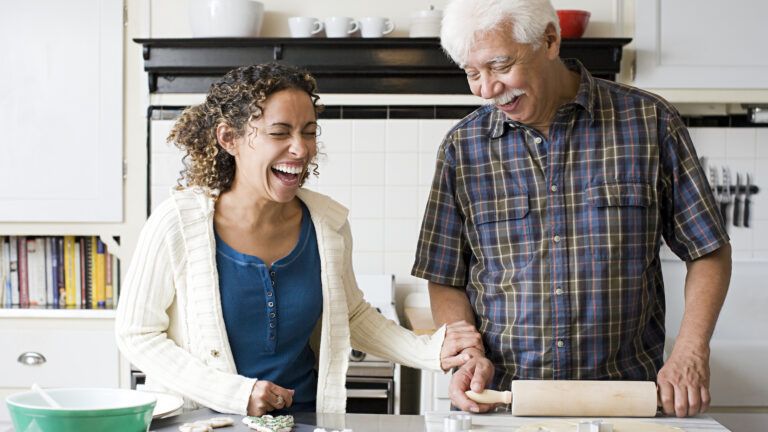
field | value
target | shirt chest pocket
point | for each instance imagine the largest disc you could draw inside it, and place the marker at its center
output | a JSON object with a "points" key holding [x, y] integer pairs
{"points": [[502, 231], [622, 221]]}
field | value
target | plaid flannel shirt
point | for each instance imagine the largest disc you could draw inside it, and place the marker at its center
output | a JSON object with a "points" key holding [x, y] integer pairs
{"points": [[556, 240]]}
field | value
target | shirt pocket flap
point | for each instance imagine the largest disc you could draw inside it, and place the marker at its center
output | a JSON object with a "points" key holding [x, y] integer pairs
{"points": [[514, 207], [620, 194]]}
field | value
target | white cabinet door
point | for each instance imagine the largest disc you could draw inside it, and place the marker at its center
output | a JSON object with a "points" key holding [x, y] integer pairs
{"points": [[701, 44], [61, 97]]}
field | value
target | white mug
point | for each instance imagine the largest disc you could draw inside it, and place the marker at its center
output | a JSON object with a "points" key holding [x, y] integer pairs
{"points": [[340, 27], [376, 27], [302, 26]]}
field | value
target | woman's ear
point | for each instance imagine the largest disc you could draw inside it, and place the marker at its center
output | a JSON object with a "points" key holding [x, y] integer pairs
{"points": [[226, 137]]}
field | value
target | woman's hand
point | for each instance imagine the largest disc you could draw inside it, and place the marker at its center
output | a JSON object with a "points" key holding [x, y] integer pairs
{"points": [[267, 396], [459, 336]]}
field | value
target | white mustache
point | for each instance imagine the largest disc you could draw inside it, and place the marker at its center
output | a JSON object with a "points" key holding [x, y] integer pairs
{"points": [[506, 97]]}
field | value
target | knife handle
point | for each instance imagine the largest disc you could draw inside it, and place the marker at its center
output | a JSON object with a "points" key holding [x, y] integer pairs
{"points": [[736, 211], [724, 213], [746, 212]]}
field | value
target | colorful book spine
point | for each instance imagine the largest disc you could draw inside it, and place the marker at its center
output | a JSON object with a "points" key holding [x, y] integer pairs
{"points": [[3, 273], [36, 271], [50, 281], [90, 256], [13, 243], [109, 288], [77, 276], [23, 272], [83, 274], [100, 285], [60, 277], [54, 272], [70, 273]]}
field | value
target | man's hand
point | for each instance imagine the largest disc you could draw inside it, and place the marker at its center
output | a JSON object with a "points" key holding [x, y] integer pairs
{"points": [[684, 381], [474, 375], [459, 337]]}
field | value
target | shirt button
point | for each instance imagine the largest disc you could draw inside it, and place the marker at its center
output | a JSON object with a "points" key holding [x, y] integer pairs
{"points": [[272, 315], [553, 188], [537, 140], [270, 304], [269, 293], [556, 238], [272, 273], [560, 344], [271, 325], [559, 291]]}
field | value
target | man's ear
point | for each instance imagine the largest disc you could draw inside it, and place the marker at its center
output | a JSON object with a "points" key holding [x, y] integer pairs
{"points": [[225, 135], [552, 42]]}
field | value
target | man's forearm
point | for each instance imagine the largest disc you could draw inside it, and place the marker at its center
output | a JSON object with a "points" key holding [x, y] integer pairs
{"points": [[449, 304], [706, 284]]}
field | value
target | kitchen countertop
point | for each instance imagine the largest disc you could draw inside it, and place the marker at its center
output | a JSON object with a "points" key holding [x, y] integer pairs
{"points": [[432, 422]]}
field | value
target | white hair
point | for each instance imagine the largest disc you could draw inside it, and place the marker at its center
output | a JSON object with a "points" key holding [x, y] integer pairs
{"points": [[466, 20]]}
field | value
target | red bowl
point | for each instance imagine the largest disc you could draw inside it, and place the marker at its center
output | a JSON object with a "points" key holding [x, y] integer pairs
{"points": [[573, 23]]}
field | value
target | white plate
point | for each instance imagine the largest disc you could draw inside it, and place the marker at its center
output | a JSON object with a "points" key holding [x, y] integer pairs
{"points": [[167, 404]]}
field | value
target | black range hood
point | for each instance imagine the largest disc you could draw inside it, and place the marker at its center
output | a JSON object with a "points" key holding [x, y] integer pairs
{"points": [[354, 65]]}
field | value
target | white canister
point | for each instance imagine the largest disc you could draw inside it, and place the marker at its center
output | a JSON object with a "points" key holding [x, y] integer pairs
{"points": [[225, 18], [426, 23]]}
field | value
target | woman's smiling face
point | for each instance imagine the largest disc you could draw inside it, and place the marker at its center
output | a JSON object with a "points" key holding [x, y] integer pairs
{"points": [[273, 155]]}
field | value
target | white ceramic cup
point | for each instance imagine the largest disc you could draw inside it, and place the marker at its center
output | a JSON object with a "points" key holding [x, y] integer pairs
{"points": [[340, 27], [302, 26], [376, 27]]}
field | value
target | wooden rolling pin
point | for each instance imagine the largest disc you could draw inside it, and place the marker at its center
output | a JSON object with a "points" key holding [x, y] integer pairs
{"points": [[575, 398]]}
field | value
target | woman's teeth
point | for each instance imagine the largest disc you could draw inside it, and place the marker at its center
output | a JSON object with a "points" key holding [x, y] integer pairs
{"points": [[289, 169]]}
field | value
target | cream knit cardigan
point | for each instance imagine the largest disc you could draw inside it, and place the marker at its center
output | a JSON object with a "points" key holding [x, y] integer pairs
{"points": [[169, 322]]}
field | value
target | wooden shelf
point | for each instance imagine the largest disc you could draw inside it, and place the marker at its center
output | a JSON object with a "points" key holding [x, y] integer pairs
{"points": [[354, 65]]}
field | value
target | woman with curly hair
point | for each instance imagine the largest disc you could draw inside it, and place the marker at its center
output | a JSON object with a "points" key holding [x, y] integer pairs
{"points": [[240, 295]]}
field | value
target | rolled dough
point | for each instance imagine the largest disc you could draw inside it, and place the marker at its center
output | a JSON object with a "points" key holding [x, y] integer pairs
{"points": [[618, 426]]}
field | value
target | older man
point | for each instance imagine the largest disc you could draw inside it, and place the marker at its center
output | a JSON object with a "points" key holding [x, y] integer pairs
{"points": [[547, 212]]}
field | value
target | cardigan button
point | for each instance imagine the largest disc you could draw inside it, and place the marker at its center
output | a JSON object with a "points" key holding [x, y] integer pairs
{"points": [[215, 353]]}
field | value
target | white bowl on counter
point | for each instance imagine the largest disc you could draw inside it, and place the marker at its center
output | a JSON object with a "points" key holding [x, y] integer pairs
{"points": [[225, 18]]}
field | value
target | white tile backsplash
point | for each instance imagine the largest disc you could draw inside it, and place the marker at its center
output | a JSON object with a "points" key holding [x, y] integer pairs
{"points": [[761, 139], [400, 235], [742, 150], [431, 134], [401, 202], [335, 169], [367, 234], [367, 202], [368, 169], [426, 169], [402, 135], [740, 143], [367, 262], [401, 169], [709, 142], [336, 135], [369, 136]]}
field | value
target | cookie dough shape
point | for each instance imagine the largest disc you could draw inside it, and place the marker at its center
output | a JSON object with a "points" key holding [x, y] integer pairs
{"points": [[267, 423], [618, 426], [195, 427]]}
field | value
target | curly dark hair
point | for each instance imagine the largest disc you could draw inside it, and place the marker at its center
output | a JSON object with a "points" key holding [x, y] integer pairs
{"points": [[235, 100]]}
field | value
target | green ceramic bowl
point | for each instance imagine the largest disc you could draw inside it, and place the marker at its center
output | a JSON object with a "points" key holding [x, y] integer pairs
{"points": [[83, 410]]}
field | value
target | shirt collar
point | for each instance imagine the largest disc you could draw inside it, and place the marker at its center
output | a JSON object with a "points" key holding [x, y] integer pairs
{"points": [[585, 97]]}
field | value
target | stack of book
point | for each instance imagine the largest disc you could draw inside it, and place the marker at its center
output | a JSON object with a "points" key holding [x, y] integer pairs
{"points": [[75, 272]]}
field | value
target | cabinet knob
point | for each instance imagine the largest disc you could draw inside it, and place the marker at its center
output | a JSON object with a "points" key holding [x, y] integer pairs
{"points": [[31, 358]]}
